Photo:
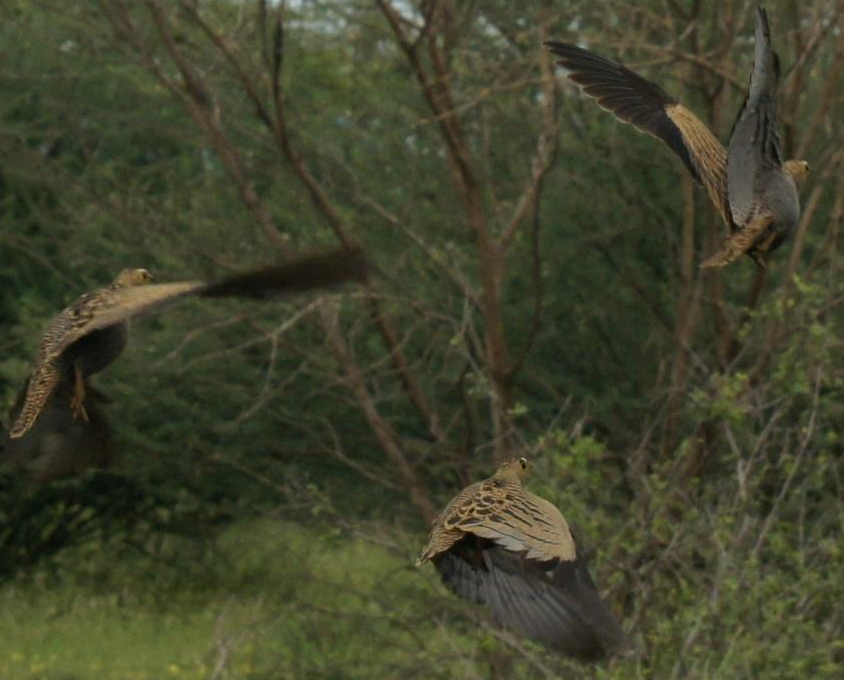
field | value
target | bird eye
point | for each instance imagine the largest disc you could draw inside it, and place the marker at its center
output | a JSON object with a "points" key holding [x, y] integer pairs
{"points": [[523, 463]]}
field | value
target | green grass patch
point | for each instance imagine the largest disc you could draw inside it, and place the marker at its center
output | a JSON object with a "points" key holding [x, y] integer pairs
{"points": [[267, 600]]}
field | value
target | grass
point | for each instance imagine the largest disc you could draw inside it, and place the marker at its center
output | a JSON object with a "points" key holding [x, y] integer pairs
{"points": [[274, 600], [269, 600]]}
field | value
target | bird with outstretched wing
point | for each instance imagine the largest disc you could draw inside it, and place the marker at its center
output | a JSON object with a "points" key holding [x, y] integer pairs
{"points": [[499, 545], [754, 191], [92, 332]]}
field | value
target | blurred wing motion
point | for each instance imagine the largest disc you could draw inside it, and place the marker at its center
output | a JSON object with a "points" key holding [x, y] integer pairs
{"points": [[499, 545], [91, 333], [301, 274], [644, 104], [316, 271]]}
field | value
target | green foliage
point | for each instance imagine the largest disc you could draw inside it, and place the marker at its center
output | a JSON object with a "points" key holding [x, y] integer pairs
{"points": [[691, 439], [716, 575], [273, 600]]}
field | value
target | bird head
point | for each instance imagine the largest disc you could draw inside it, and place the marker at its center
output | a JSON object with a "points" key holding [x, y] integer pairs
{"points": [[512, 469], [132, 277], [798, 171]]}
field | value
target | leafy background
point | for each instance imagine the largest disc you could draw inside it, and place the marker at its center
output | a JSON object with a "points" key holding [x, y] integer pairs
{"points": [[535, 291]]}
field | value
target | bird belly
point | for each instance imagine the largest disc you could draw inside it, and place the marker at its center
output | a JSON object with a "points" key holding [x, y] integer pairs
{"points": [[98, 349], [781, 199]]}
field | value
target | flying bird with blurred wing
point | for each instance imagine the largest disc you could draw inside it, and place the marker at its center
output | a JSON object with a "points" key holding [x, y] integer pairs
{"points": [[92, 332], [754, 191], [499, 545]]}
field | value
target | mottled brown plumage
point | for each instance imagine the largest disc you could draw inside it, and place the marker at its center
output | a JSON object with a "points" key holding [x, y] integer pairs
{"points": [[103, 342], [644, 104], [91, 333], [497, 544]]}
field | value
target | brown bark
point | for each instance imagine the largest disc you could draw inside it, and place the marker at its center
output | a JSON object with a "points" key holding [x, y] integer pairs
{"points": [[491, 252], [687, 307], [386, 436], [197, 99]]}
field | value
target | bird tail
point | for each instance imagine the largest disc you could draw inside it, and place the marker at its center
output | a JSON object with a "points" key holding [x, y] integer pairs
{"points": [[303, 273], [41, 386]]}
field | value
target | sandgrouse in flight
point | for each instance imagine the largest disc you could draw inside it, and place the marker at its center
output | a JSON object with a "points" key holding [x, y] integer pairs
{"points": [[91, 333], [753, 189], [497, 544]]}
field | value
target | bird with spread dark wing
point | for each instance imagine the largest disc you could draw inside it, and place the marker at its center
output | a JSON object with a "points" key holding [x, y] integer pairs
{"points": [[499, 545], [91, 333], [754, 191]]}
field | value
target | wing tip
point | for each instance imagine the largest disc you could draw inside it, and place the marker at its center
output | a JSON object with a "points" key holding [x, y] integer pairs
{"points": [[305, 272], [24, 421], [25, 418], [762, 18], [763, 49], [555, 45], [18, 431], [720, 259], [571, 56]]}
